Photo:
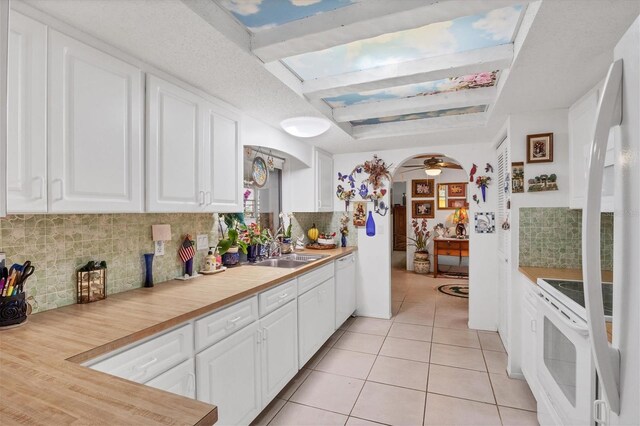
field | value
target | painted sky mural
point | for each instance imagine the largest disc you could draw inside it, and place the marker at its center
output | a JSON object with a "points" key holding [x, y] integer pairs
{"points": [[421, 115], [472, 81]]}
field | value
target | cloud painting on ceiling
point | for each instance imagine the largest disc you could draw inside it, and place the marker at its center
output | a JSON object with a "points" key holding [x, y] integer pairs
{"points": [[454, 84], [493, 28], [259, 15], [421, 115]]}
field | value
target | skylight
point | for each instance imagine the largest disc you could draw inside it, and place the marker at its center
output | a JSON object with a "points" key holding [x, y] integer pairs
{"points": [[454, 84], [259, 15], [421, 115], [462, 34]]}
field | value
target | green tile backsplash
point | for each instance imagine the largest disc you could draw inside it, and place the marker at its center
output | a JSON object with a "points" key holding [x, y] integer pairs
{"points": [[325, 222], [58, 244], [552, 238]]}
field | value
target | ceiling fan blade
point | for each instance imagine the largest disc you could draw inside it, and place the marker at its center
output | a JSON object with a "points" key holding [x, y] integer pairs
{"points": [[450, 165], [414, 167], [428, 156]]}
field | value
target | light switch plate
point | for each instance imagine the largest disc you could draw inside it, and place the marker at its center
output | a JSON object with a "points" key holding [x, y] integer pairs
{"points": [[202, 242], [159, 248]]}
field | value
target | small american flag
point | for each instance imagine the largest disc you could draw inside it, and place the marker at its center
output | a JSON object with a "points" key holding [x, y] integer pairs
{"points": [[186, 250]]}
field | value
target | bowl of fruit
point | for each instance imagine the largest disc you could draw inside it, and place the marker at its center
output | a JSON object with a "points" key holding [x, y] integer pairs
{"points": [[326, 238]]}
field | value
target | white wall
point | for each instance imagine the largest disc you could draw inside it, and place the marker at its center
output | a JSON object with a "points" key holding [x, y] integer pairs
{"points": [[518, 127], [447, 175], [374, 253]]}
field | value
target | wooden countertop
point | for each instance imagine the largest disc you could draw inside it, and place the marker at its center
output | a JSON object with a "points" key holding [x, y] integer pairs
{"points": [[43, 383], [533, 273]]}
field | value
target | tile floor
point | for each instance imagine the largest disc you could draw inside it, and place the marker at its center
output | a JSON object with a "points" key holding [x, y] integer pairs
{"points": [[422, 367]]}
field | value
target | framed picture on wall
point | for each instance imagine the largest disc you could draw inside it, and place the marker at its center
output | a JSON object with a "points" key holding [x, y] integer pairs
{"points": [[422, 188], [540, 148], [457, 190], [423, 209], [359, 213], [457, 203], [485, 222], [517, 177]]}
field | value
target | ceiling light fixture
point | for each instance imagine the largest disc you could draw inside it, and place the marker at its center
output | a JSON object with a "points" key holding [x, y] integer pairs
{"points": [[305, 127], [433, 172]]}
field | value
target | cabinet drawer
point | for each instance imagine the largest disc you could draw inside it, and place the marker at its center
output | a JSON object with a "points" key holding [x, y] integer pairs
{"points": [[180, 380], [449, 252], [315, 277], [448, 245], [220, 324], [147, 360], [272, 299]]}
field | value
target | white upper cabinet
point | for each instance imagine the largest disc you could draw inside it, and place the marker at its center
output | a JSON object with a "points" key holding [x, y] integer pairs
{"points": [[27, 126], [95, 130], [193, 152], [324, 181], [223, 161], [174, 148], [4, 47]]}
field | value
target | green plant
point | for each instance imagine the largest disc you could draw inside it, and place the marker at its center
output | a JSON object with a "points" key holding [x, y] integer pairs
{"points": [[232, 222], [421, 236], [253, 235]]}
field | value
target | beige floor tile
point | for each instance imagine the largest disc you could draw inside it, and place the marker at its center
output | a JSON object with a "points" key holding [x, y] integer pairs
{"points": [[360, 342], [379, 327], [450, 336], [444, 411], [328, 392], [269, 412], [414, 350], [512, 393], [496, 362], [347, 363], [398, 296], [490, 341], [354, 421], [451, 321], [390, 404], [345, 325], [513, 417], [395, 307], [313, 362], [294, 384], [457, 356], [412, 313], [334, 338], [460, 383], [301, 415], [411, 331], [400, 372]]}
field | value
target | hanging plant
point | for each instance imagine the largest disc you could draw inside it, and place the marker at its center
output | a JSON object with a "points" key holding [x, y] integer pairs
{"points": [[483, 182]]}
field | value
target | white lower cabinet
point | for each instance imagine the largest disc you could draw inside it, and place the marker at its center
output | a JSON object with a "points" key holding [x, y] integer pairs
{"points": [[228, 375], [316, 319], [345, 288], [279, 350], [180, 380], [529, 328]]}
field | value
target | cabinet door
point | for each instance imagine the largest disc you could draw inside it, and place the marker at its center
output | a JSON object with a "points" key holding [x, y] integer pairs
{"points": [[4, 45], [174, 148], [223, 161], [316, 320], [95, 130], [229, 376], [279, 349], [324, 181], [180, 380], [345, 289], [27, 126]]}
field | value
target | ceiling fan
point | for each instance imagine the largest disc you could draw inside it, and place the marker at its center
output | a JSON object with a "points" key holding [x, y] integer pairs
{"points": [[433, 165]]}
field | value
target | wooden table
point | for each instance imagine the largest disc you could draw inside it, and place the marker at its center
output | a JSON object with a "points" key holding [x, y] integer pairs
{"points": [[448, 247]]}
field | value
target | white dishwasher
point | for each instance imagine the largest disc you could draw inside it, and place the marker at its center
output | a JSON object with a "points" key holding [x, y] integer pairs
{"points": [[345, 288]]}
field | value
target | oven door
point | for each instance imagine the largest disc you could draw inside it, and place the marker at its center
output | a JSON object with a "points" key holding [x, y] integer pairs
{"points": [[564, 365]]}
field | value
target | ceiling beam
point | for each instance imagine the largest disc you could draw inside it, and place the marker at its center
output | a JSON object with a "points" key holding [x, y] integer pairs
{"points": [[459, 99], [222, 21], [418, 71], [362, 20], [426, 125]]}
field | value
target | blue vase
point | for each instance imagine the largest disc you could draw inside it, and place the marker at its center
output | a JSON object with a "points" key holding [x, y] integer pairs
{"points": [[253, 252], [148, 262], [371, 225], [230, 259], [344, 241], [484, 193], [188, 267]]}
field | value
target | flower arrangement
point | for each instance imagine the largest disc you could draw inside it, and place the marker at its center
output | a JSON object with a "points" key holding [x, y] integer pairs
{"points": [[344, 224], [483, 182], [232, 241], [422, 235], [286, 228], [252, 234]]}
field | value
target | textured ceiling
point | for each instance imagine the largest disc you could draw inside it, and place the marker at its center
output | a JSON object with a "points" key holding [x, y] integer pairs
{"points": [[566, 51]]}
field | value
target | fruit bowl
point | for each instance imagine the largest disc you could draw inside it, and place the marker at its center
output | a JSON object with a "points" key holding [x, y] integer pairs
{"points": [[326, 241]]}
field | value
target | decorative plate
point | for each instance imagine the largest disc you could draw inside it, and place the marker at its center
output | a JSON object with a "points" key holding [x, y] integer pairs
{"points": [[260, 172]]}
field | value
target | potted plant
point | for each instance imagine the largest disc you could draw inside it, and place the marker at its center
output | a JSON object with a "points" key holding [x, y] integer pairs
{"points": [[254, 237], [230, 245], [285, 235], [420, 241]]}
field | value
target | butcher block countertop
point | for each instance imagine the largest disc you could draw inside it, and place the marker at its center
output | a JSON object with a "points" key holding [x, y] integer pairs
{"points": [[534, 273], [42, 381]]}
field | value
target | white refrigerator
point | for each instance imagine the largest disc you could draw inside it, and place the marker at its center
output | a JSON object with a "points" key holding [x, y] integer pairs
{"points": [[618, 363]]}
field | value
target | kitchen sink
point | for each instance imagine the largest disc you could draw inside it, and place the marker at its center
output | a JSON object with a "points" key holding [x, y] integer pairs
{"points": [[291, 261]]}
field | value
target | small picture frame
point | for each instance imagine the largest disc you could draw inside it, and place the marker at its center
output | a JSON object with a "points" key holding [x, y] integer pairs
{"points": [[485, 223], [457, 190], [359, 213], [423, 209], [422, 188], [540, 148], [517, 177], [457, 203]]}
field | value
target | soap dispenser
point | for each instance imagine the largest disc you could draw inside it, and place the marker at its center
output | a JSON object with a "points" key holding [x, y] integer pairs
{"points": [[209, 262]]}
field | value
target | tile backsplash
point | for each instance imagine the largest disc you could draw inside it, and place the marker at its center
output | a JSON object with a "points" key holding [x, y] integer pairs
{"points": [[59, 244], [552, 238], [325, 222]]}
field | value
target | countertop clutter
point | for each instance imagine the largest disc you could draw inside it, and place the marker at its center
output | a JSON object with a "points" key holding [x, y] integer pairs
{"points": [[44, 383]]}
